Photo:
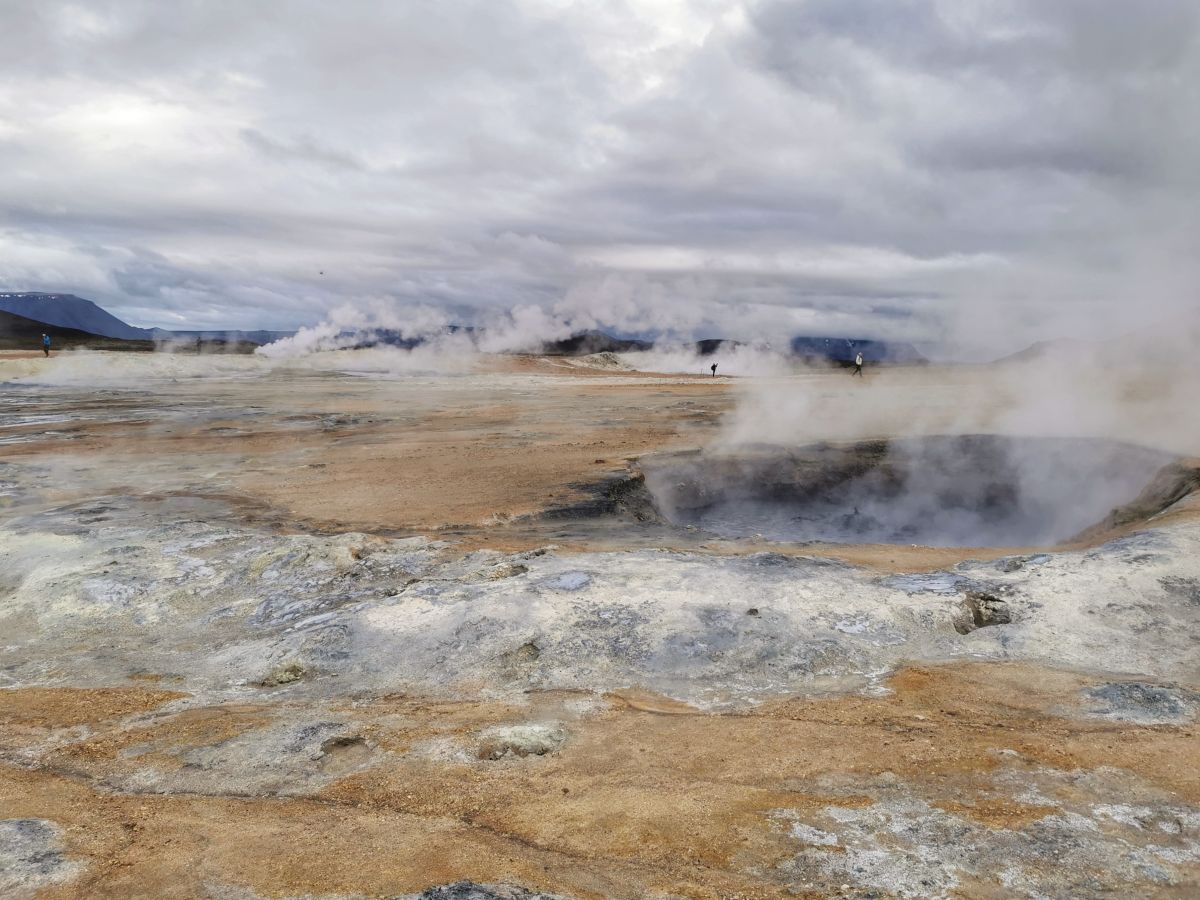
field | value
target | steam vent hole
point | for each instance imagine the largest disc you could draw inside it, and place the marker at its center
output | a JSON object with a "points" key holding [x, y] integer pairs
{"points": [[948, 491]]}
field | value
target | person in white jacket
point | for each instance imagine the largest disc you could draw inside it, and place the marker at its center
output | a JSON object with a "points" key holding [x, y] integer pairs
{"points": [[858, 363]]}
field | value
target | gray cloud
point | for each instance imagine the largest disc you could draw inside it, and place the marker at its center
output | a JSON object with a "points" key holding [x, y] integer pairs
{"points": [[919, 169], [303, 149]]}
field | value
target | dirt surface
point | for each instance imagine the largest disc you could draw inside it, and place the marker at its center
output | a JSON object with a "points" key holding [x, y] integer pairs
{"points": [[67, 707], [347, 627], [477, 458], [386, 456], [644, 798]]}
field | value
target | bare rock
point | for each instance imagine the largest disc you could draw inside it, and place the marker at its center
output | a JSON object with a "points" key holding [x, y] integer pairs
{"points": [[507, 570], [979, 610], [520, 740], [284, 673]]}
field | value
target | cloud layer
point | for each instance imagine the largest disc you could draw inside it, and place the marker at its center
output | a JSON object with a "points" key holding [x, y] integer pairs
{"points": [[921, 170]]}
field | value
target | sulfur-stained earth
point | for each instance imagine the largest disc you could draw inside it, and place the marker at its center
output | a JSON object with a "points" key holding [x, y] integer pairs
{"points": [[358, 628]]}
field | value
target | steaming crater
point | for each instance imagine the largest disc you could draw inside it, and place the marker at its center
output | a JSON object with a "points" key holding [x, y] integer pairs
{"points": [[944, 491]]}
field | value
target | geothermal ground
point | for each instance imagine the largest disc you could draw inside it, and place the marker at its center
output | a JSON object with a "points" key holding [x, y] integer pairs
{"points": [[373, 624]]}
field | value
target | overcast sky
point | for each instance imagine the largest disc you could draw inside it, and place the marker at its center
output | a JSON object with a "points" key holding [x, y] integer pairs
{"points": [[870, 167]]}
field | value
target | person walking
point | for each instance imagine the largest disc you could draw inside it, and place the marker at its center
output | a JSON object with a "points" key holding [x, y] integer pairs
{"points": [[858, 364], [46, 344], [714, 369]]}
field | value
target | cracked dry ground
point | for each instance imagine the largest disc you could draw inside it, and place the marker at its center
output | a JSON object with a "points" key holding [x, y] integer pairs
{"points": [[956, 778], [647, 797]]}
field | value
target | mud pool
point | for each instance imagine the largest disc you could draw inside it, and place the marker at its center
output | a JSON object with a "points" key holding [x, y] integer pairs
{"points": [[944, 491]]}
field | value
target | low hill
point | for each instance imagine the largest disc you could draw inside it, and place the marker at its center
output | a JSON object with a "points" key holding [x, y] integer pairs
{"points": [[709, 346], [843, 350], [588, 342], [1068, 348], [377, 337], [69, 311], [20, 333], [229, 336]]}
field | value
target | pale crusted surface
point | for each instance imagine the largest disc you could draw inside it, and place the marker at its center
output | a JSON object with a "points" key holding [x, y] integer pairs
{"points": [[214, 685], [354, 453], [758, 803]]}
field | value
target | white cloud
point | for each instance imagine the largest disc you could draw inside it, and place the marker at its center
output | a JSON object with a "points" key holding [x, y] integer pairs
{"points": [[909, 167]]}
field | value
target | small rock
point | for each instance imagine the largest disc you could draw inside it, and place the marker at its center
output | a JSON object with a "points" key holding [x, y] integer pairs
{"points": [[284, 673], [979, 610], [520, 662], [507, 570], [752, 611], [520, 740]]}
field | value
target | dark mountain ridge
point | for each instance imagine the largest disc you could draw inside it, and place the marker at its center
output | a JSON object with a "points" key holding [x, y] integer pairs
{"points": [[20, 333], [69, 311], [588, 342], [257, 336], [75, 314], [844, 350]]}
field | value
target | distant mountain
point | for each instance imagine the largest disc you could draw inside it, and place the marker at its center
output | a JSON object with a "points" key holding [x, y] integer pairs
{"points": [[843, 350], [373, 337], [231, 336], [828, 350], [709, 346], [69, 311], [21, 333], [1070, 348], [587, 342], [376, 337]]}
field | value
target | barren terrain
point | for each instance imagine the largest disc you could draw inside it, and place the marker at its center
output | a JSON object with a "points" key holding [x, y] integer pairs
{"points": [[367, 625]]}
